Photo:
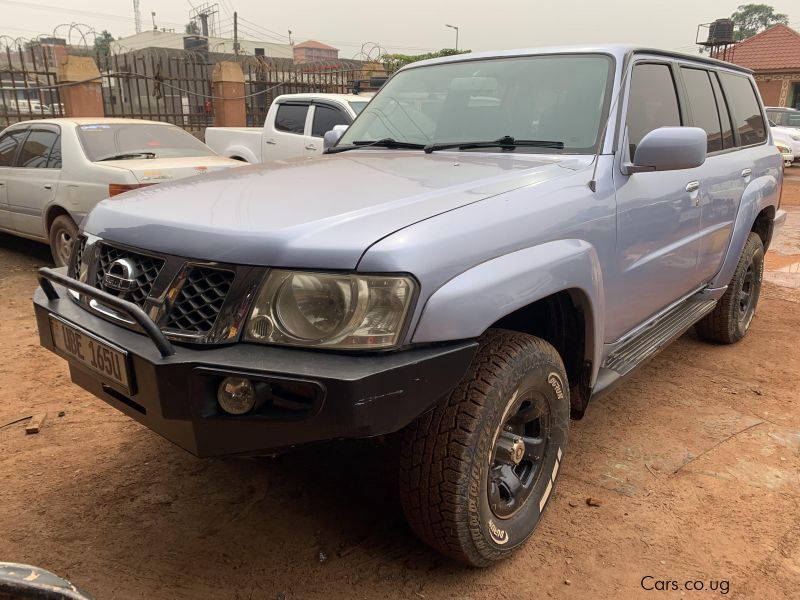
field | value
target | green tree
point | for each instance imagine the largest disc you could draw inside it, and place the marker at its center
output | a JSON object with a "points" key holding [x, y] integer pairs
{"points": [[750, 19], [392, 62], [102, 43], [192, 28]]}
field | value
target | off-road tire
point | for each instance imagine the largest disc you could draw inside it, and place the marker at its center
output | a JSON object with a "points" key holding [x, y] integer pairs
{"points": [[446, 453], [726, 324], [62, 234]]}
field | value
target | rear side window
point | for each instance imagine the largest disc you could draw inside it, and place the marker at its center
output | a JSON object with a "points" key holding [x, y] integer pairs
{"points": [[745, 109], [9, 143], [36, 151], [291, 118], [325, 118], [724, 113], [703, 105], [653, 102]]}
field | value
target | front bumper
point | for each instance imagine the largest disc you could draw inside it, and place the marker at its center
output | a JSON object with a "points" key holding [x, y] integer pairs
{"points": [[175, 395]]}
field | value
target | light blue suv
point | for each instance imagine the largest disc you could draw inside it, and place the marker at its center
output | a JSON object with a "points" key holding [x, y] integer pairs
{"points": [[496, 239]]}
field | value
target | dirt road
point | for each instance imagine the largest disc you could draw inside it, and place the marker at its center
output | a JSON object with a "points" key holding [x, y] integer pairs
{"points": [[694, 465]]}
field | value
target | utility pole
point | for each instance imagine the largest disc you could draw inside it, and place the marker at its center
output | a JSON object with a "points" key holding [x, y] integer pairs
{"points": [[203, 22], [236, 33], [137, 16], [153, 14]]}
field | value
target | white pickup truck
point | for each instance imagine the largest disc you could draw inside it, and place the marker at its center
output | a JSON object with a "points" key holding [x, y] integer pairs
{"points": [[295, 126]]}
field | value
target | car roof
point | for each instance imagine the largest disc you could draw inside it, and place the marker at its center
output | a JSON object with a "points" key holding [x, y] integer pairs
{"points": [[618, 51], [90, 121], [312, 96]]}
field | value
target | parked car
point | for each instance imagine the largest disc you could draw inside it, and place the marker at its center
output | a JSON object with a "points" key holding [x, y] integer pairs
{"points": [[53, 171], [785, 126], [466, 272], [786, 153], [294, 127]]}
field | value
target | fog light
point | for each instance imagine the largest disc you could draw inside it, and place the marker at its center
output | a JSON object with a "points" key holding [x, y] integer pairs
{"points": [[236, 395]]}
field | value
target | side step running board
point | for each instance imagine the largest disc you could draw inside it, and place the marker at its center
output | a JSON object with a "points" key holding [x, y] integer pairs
{"points": [[650, 341]]}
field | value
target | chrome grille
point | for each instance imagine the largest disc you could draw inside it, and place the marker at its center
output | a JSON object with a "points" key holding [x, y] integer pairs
{"points": [[200, 300], [147, 269], [77, 260]]}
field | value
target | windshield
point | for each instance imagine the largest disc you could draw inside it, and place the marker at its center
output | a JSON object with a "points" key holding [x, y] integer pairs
{"points": [[357, 107], [784, 118], [104, 141], [559, 98]]}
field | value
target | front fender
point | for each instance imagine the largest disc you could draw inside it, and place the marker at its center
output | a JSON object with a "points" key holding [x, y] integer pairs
{"points": [[471, 302], [758, 195]]}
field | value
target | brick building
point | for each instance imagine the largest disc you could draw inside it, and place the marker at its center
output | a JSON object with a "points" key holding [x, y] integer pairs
{"points": [[313, 51], [774, 56]]}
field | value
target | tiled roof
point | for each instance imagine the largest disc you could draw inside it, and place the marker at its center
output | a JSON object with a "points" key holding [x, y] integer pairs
{"points": [[774, 49], [314, 44]]}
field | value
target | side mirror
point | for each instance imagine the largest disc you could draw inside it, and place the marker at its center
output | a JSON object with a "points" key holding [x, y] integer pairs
{"points": [[333, 136], [669, 149]]}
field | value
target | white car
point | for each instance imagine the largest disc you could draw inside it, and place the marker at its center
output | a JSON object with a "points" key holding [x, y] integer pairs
{"points": [[786, 153], [785, 126], [295, 126], [53, 171]]}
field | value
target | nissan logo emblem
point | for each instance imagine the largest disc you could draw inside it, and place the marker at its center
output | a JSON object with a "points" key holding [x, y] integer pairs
{"points": [[121, 275]]}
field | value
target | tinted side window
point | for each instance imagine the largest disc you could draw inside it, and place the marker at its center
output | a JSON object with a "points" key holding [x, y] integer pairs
{"points": [[8, 146], [653, 102], [291, 118], [36, 151], [745, 109], [325, 118], [703, 106], [54, 160], [724, 113]]}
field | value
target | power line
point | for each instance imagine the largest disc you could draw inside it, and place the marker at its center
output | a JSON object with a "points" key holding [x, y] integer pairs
{"points": [[75, 11]]}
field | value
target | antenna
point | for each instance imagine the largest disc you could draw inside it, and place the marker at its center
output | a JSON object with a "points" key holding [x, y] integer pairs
{"points": [[602, 140], [137, 16]]}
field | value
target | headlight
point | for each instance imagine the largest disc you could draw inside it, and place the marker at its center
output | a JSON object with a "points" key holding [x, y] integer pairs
{"points": [[330, 310]]}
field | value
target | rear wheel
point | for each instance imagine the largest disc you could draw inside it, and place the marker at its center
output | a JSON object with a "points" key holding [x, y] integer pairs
{"points": [[731, 318], [478, 470], [62, 234]]}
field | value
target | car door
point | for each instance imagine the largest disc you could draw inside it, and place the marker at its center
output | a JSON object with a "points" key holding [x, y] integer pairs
{"points": [[288, 140], [724, 174], [658, 214], [33, 181], [10, 143], [324, 117]]}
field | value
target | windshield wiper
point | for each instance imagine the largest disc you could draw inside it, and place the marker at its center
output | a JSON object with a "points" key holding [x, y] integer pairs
{"points": [[128, 155], [506, 143], [382, 143]]}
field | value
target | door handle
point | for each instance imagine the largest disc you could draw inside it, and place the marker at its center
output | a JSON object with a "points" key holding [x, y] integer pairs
{"points": [[692, 186], [311, 147], [271, 142], [747, 172], [47, 186]]}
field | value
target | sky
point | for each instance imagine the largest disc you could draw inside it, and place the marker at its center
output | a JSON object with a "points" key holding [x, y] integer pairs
{"points": [[408, 27]]}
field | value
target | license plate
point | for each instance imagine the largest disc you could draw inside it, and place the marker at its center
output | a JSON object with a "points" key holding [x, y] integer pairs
{"points": [[79, 346]]}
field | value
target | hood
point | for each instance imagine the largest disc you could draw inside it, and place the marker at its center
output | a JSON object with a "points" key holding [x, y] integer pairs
{"points": [[157, 170], [318, 213]]}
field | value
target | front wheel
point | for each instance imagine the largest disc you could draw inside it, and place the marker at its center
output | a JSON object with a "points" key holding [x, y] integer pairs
{"points": [[62, 235], [477, 471], [731, 318]]}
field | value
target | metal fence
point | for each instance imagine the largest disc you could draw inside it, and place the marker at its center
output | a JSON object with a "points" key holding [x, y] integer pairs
{"points": [[170, 86], [266, 79], [27, 74]]}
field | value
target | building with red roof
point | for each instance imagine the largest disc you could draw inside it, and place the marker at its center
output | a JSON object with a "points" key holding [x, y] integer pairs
{"points": [[774, 56], [313, 51]]}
